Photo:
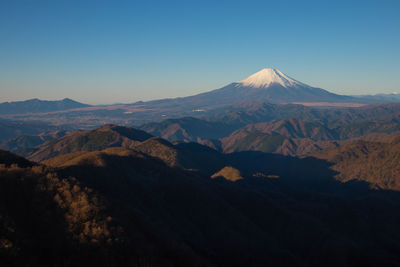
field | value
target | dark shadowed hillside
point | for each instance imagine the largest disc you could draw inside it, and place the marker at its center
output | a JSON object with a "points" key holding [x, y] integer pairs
{"points": [[154, 203], [274, 217], [46, 220], [145, 201]]}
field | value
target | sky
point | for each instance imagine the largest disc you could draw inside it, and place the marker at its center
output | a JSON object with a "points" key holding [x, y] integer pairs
{"points": [[103, 52]]}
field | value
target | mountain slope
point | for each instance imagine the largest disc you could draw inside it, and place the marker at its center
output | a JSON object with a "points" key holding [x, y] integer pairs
{"points": [[47, 220], [98, 139], [222, 122], [191, 156], [11, 129], [133, 205], [270, 85], [267, 85], [244, 140], [25, 144], [374, 162], [188, 129], [254, 112], [294, 128], [7, 159], [194, 220]]}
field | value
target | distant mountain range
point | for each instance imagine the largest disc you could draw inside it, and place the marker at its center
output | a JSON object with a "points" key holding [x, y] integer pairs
{"points": [[242, 149], [342, 122], [285, 129], [393, 97], [267, 85], [38, 106]]}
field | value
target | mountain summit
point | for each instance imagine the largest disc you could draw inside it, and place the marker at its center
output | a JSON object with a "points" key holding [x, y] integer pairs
{"points": [[267, 85], [267, 77]]}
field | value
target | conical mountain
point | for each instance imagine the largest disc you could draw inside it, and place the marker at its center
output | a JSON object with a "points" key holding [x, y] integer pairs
{"points": [[268, 77], [267, 85]]}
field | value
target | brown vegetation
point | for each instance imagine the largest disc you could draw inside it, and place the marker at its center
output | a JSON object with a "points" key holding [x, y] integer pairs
{"points": [[98, 139], [229, 173], [45, 219], [374, 162]]}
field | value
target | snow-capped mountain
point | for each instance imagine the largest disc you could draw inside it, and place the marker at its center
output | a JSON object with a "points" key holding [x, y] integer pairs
{"points": [[267, 77], [266, 85]]}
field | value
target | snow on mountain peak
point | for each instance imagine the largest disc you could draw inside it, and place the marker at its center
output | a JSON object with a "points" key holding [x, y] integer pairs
{"points": [[266, 77]]}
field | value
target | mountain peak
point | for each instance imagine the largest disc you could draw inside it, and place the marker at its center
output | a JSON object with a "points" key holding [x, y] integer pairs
{"points": [[268, 76]]}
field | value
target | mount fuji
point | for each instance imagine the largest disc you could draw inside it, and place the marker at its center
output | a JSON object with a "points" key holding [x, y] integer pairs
{"points": [[268, 77], [267, 85]]}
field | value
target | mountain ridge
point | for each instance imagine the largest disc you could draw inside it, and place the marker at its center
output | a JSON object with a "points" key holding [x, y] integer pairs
{"points": [[36, 105]]}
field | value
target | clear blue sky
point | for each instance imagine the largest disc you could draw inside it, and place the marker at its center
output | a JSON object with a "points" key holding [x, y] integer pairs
{"points": [[125, 51]]}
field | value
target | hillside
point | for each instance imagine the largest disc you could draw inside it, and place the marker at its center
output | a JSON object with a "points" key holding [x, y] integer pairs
{"points": [[25, 144], [243, 140], [188, 129], [294, 128], [374, 162], [255, 112], [229, 173], [285, 129], [184, 155], [98, 139], [243, 127], [7, 159], [163, 216], [46, 220], [10, 129]]}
